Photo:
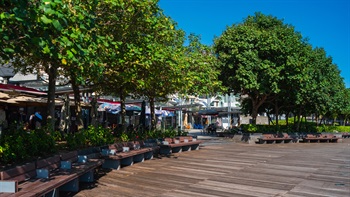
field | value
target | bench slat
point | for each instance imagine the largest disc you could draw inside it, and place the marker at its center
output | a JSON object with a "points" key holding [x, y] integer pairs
{"points": [[19, 173], [49, 163], [57, 178]]}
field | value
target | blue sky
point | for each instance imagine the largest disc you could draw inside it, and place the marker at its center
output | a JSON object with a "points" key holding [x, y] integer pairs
{"points": [[326, 23]]}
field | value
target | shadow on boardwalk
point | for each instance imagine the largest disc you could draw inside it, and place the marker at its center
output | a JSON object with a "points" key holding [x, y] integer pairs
{"points": [[224, 168]]}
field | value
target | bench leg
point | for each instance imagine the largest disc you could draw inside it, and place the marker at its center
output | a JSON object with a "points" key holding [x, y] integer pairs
{"points": [[72, 186], [176, 149], [87, 177], [262, 141], [127, 161], [111, 164], [186, 148], [165, 151], [53, 193], [195, 147], [139, 158], [148, 155]]}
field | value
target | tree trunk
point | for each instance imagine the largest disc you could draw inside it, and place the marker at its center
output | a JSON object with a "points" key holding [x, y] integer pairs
{"points": [[257, 101], [153, 115], [276, 113], [254, 114], [123, 110], [345, 120], [65, 115], [93, 112], [287, 116], [298, 123], [77, 104], [52, 72], [270, 120]]}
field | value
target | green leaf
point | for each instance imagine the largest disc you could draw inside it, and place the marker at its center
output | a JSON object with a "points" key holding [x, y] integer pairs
{"points": [[45, 20], [19, 19], [57, 25], [42, 43], [3, 15], [70, 54], [49, 11], [46, 49], [9, 50]]}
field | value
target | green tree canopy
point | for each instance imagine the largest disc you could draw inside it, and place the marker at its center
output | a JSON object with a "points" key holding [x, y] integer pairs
{"points": [[202, 69], [254, 54], [47, 35]]}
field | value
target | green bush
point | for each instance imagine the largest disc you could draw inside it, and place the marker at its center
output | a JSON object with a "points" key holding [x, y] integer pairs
{"points": [[171, 133], [20, 145], [92, 136], [159, 134], [305, 127], [249, 128], [97, 136], [76, 141], [331, 128], [124, 137]]}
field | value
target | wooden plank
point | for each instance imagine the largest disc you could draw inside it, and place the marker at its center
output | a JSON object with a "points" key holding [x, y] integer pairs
{"points": [[224, 168]]}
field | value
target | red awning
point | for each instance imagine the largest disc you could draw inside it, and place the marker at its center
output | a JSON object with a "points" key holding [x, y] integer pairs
{"points": [[21, 89]]}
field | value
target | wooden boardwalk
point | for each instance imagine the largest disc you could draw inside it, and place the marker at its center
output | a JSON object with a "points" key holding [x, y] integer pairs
{"points": [[222, 168]]}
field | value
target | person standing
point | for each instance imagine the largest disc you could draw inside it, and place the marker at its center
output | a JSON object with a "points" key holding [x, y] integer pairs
{"points": [[38, 119], [32, 121]]}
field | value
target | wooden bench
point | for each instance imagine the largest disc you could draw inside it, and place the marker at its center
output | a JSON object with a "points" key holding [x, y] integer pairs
{"points": [[82, 164], [318, 138], [345, 135], [275, 138], [125, 154], [152, 144], [47, 176], [179, 144]]}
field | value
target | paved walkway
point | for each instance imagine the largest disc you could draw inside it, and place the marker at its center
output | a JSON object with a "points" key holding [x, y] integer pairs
{"points": [[222, 168]]}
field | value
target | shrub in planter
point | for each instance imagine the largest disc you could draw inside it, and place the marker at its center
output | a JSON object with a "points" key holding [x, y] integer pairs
{"points": [[124, 137], [92, 136], [76, 141], [19, 145], [97, 136], [250, 128], [170, 133]]}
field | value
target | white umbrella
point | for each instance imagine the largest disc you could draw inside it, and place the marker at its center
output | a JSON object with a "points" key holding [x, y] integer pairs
{"points": [[4, 96]]}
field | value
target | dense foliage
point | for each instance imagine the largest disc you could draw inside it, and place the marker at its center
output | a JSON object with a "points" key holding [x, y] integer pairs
{"points": [[305, 127], [276, 71], [18, 145]]}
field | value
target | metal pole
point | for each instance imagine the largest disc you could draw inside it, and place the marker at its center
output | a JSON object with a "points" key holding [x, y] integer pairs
{"points": [[208, 107], [180, 115], [229, 110]]}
